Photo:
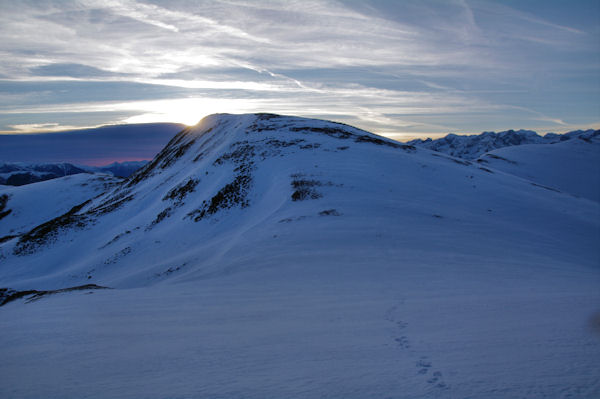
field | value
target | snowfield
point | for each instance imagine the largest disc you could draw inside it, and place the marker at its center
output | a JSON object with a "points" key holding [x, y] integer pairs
{"points": [[571, 166], [271, 256], [34, 204]]}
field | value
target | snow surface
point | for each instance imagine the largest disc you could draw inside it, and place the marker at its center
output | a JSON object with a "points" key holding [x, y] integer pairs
{"points": [[265, 256], [36, 203], [571, 166]]}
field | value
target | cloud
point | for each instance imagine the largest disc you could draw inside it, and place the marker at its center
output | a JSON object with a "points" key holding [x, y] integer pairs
{"points": [[37, 127], [69, 70], [99, 146], [396, 67]]}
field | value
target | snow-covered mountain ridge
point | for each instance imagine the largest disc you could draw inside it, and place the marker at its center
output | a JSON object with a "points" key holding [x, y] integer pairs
{"points": [[272, 256], [20, 173], [473, 146], [233, 173]]}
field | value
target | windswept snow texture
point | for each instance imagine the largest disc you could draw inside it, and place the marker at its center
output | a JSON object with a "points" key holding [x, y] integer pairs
{"points": [[270, 256], [472, 147], [36, 203]]}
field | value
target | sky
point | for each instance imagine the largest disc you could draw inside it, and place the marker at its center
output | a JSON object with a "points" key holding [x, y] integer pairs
{"points": [[403, 69]]}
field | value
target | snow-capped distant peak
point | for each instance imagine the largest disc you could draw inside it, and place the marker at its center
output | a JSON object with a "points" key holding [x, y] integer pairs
{"points": [[473, 146], [21, 173]]}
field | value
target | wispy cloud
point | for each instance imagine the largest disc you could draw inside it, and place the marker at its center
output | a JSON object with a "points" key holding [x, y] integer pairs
{"points": [[37, 127], [396, 67]]}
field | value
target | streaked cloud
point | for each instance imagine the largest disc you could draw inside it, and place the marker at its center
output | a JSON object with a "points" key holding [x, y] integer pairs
{"points": [[398, 68]]}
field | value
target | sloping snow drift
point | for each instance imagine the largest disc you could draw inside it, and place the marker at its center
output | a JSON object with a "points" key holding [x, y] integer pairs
{"points": [[28, 206], [572, 166]]}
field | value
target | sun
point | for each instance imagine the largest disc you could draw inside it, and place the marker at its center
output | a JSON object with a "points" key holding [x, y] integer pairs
{"points": [[189, 110]]}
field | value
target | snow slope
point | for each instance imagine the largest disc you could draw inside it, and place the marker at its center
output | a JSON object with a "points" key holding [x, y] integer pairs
{"points": [[268, 256], [34, 204], [571, 166]]}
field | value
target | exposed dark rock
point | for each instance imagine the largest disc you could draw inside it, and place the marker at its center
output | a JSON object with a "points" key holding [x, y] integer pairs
{"points": [[330, 212], [115, 258], [48, 231], [112, 204], [389, 143], [232, 194], [115, 239], [160, 217], [493, 156], [304, 188], [279, 143], [305, 183], [7, 238], [545, 187], [179, 192], [304, 193], [310, 146], [7, 295], [170, 270], [3, 202], [458, 161], [242, 152], [330, 131], [263, 116]]}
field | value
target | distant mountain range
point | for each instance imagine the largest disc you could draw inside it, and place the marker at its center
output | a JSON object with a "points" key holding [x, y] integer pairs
{"points": [[473, 146], [461, 146], [18, 173]]}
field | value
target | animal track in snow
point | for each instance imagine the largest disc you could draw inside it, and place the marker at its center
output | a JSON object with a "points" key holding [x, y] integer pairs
{"points": [[436, 379], [424, 366], [401, 340]]}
